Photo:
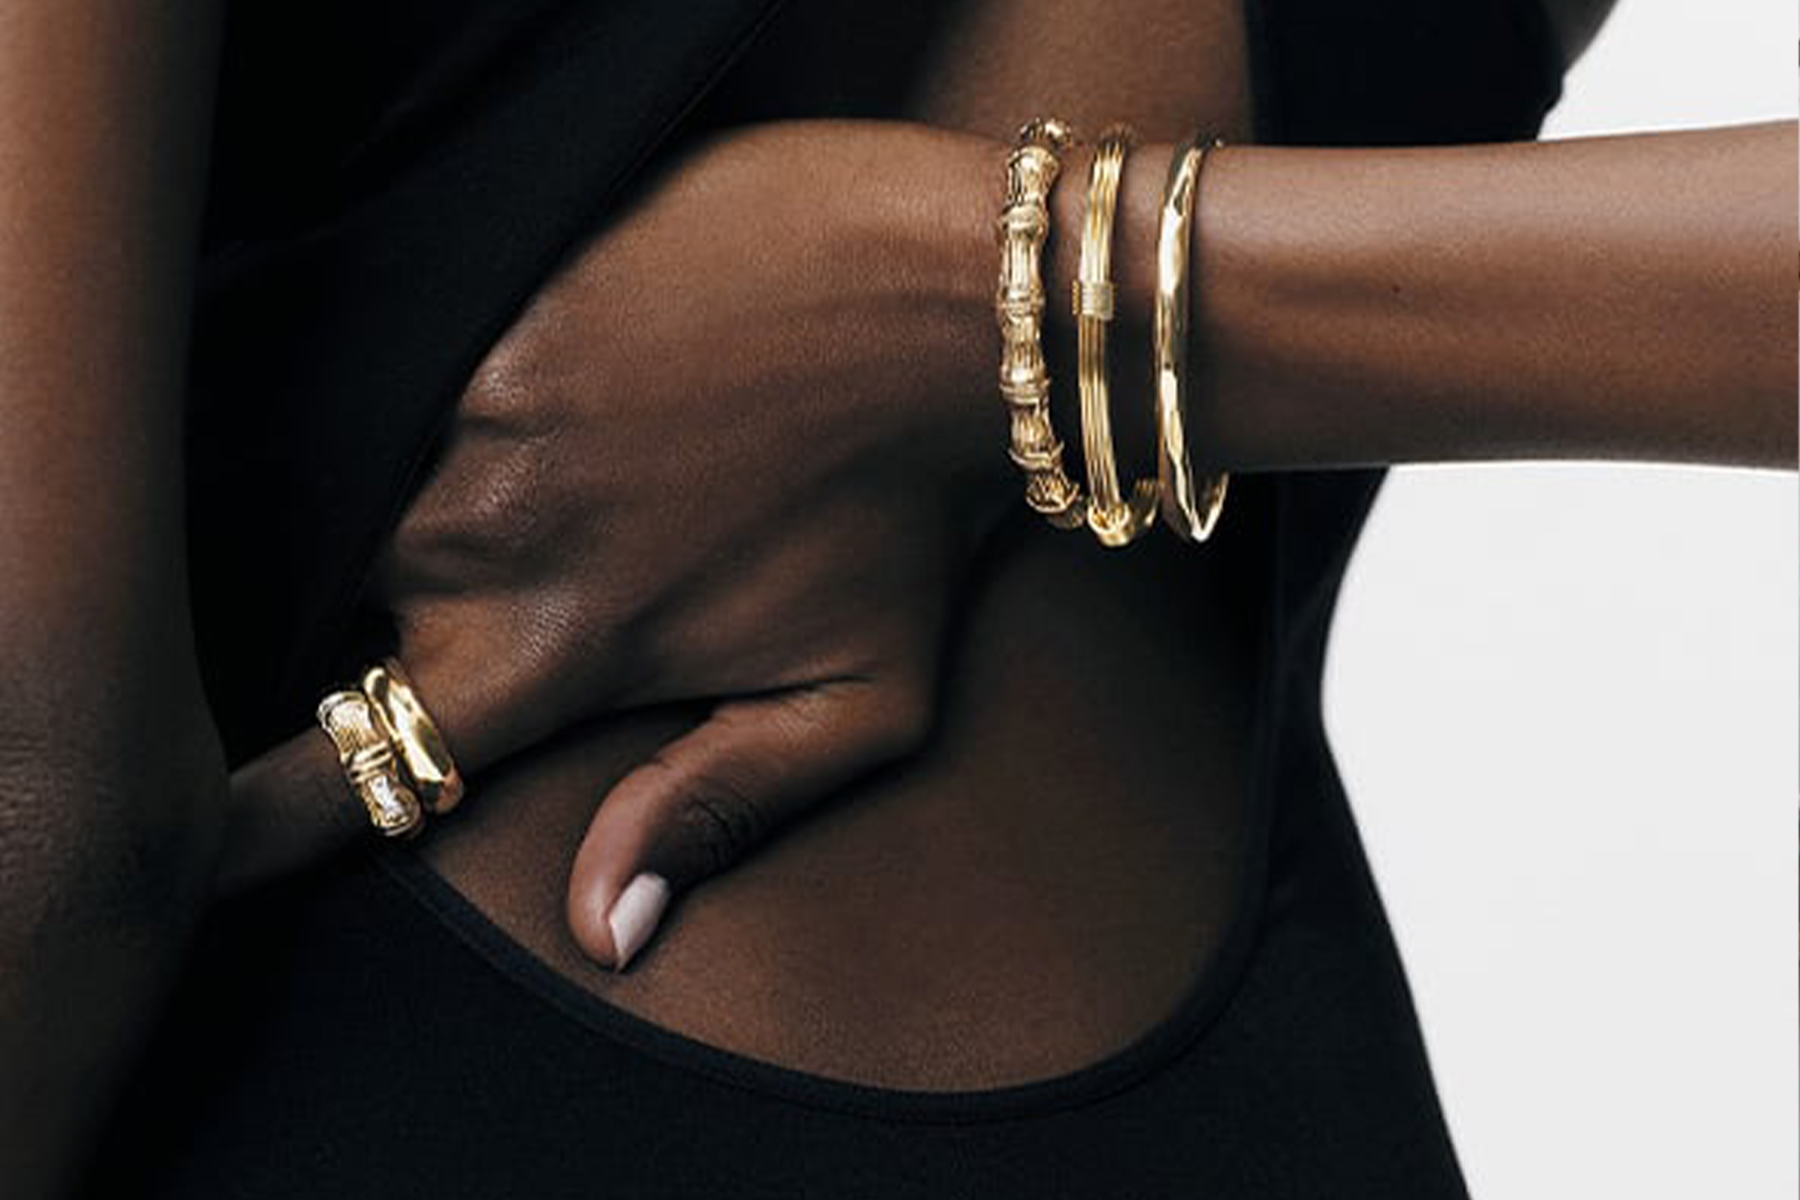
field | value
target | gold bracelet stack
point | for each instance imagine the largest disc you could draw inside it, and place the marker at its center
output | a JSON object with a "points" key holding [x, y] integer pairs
{"points": [[1023, 226], [392, 753], [1115, 521], [1190, 509], [1188, 504]]}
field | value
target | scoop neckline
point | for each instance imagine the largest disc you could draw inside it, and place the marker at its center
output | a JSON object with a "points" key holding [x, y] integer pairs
{"points": [[1159, 1045]]}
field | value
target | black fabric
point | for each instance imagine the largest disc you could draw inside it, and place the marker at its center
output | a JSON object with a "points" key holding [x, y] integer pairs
{"points": [[376, 221], [367, 239], [390, 1058], [1400, 72]]}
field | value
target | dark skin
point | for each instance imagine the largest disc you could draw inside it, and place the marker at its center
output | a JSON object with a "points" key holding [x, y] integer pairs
{"points": [[112, 792], [114, 797], [1374, 302]]}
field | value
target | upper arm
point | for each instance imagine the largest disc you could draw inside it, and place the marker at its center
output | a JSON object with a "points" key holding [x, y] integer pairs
{"points": [[104, 117], [105, 758]]}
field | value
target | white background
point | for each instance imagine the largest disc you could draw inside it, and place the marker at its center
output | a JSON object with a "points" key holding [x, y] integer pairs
{"points": [[1564, 699]]}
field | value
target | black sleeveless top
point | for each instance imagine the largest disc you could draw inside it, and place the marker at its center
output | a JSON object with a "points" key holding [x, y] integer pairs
{"points": [[365, 242]]}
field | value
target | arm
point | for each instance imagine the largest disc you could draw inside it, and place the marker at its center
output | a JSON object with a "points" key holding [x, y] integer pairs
{"points": [[107, 764], [872, 332], [1627, 297]]}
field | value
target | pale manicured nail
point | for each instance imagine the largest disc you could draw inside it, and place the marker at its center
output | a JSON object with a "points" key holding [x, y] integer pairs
{"points": [[635, 913]]}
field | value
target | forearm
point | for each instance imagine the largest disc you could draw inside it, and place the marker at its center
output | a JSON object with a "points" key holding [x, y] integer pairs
{"points": [[107, 768], [1628, 297]]}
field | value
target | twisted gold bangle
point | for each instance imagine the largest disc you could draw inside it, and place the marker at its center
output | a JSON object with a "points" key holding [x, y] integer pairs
{"points": [[1189, 508], [1114, 521], [1023, 227]]}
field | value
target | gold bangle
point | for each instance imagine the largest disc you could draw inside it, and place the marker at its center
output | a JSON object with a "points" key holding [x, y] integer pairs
{"points": [[1022, 228], [414, 737], [1189, 508], [369, 764], [1114, 521]]}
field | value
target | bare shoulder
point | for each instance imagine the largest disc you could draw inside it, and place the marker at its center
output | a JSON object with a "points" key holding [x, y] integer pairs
{"points": [[1575, 22]]}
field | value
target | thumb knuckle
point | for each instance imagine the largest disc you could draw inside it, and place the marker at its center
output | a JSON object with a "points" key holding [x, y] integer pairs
{"points": [[718, 820]]}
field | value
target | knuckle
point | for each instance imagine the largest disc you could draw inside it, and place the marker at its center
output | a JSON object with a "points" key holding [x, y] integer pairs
{"points": [[504, 381], [527, 386], [502, 503], [718, 822], [497, 513]]}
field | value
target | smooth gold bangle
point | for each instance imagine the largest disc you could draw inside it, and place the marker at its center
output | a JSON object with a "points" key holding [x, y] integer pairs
{"points": [[1022, 229], [1191, 508], [414, 737], [1114, 521], [369, 764]]}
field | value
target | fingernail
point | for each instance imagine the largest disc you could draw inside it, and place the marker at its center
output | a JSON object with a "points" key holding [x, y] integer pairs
{"points": [[635, 913]]}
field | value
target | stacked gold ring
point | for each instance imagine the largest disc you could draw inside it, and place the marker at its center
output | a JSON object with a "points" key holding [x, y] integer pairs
{"points": [[414, 736], [1114, 520], [391, 751], [1190, 507], [1023, 227], [370, 764]]}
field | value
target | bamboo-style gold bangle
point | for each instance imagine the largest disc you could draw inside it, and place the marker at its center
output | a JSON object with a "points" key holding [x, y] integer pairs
{"points": [[1023, 227], [369, 764], [1190, 507], [1114, 521], [414, 737]]}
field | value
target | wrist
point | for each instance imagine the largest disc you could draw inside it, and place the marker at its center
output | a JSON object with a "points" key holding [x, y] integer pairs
{"points": [[943, 193], [926, 228], [954, 224]]}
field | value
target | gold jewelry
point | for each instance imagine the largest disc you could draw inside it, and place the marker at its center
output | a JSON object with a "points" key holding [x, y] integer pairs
{"points": [[1114, 521], [1023, 227], [414, 737], [369, 764], [1190, 509]]}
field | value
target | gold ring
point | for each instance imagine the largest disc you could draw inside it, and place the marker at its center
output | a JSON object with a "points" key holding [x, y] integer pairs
{"points": [[414, 737], [369, 764]]}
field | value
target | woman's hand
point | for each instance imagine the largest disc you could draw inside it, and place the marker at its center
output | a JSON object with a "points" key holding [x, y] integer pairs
{"points": [[739, 451]]}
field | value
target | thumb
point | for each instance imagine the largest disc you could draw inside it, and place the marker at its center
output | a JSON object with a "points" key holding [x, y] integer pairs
{"points": [[711, 796]]}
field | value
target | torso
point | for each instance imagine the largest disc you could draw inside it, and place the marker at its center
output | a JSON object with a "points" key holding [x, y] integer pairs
{"points": [[1131, 793], [1051, 876]]}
